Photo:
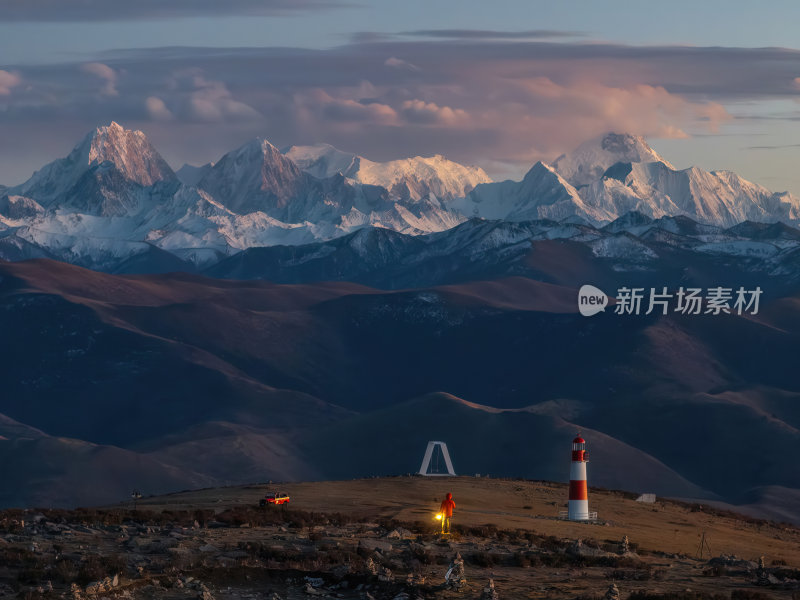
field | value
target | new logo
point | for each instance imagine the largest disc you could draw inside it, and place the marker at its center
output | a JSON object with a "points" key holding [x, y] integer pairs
{"points": [[591, 300]]}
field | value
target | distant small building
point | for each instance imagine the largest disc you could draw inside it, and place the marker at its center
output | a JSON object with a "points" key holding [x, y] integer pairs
{"points": [[648, 498]]}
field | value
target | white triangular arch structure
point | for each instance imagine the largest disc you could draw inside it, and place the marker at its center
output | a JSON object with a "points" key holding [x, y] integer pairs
{"points": [[426, 461]]}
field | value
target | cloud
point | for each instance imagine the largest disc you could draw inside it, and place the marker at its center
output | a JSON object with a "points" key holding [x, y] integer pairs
{"points": [[399, 63], [775, 147], [123, 10], [7, 81], [500, 101], [646, 109], [490, 34], [212, 101], [317, 105], [157, 110], [106, 73], [419, 111], [369, 37]]}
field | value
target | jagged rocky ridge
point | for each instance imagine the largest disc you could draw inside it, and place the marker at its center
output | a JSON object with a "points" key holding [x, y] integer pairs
{"points": [[634, 247]]}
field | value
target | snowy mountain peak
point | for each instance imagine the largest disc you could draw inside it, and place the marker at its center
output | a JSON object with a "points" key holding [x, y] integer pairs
{"points": [[258, 147], [323, 160], [406, 178], [590, 160], [543, 184], [130, 151], [540, 169], [254, 177], [257, 153], [134, 160], [542, 194]]}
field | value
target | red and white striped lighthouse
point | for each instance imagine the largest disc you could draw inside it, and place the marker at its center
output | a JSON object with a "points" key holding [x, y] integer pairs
{"points": [[578, 492]]}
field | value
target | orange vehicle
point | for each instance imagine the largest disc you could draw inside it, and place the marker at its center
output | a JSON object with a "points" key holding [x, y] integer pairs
{"points": [[274, 498]]}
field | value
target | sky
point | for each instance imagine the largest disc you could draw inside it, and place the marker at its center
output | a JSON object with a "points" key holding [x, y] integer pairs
{"points": [[499, 85]]}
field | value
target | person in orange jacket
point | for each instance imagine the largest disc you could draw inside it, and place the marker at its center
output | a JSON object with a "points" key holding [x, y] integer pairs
{"points": [[446, 510]]}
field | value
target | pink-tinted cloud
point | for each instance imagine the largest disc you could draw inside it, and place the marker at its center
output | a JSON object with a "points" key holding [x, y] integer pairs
{"points": [[488, 103], [7, 81], [157, 109], [430, 113], [189, 95], [544, 116], [104, 73], [516, 120], [317, 107], [212, 101]]}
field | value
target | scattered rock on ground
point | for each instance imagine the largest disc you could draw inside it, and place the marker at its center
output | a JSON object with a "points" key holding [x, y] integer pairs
{"points": [[489, 592], [612, 593]]}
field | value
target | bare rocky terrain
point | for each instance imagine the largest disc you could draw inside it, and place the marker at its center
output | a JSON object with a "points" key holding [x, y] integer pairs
{"points": [[377, 538]]}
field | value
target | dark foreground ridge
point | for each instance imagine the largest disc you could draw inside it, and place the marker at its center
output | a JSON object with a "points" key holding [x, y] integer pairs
{"points": [[217, 544]]}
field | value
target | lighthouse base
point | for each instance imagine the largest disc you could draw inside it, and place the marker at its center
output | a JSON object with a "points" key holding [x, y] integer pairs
{"points": [[578, 510], [563, 515]]}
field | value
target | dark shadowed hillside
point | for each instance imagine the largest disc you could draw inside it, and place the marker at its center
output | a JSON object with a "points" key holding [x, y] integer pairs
{"points": [[184, 381]]}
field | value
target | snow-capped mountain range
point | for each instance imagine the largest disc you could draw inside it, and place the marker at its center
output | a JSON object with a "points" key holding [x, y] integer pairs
{"points": [[114, 203], [408, 178], [607, 177]]}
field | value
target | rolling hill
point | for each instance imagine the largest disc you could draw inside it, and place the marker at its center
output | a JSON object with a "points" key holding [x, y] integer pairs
{"points": [[228, 381]]}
